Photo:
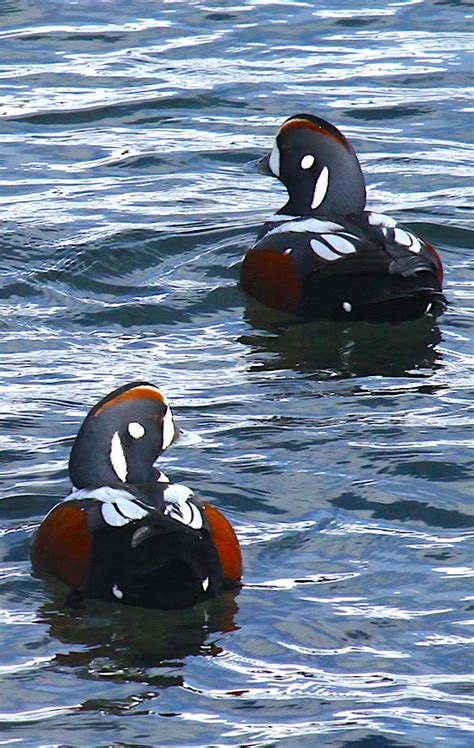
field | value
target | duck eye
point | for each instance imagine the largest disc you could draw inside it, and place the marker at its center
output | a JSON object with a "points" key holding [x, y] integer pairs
{"points": [[136, 430], [307, 161]]}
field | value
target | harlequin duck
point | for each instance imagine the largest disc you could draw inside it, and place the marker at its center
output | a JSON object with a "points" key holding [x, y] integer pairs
{"points": [[323, 255], [125, 533]]}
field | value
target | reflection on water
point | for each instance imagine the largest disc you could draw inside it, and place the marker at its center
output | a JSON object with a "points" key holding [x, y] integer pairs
{"points": [[123, 642], [331, 350]]}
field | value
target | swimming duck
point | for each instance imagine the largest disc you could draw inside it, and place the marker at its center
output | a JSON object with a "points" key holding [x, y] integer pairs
{"points": [[125, 533], [323, 255]]}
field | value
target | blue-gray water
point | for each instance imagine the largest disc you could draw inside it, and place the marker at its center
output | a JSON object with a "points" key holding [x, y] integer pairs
{"points": [[129, 136]]}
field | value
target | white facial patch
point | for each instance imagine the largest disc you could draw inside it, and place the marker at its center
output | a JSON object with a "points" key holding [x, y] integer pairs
{"points": [[347, 306], [168, 427], [320, 188], [307, 161], [274, 160], [117, 458], [205, 584], [136, 430]]}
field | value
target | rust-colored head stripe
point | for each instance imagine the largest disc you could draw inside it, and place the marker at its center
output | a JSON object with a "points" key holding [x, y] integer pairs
{"points": [[324, 128], [139, 392]]}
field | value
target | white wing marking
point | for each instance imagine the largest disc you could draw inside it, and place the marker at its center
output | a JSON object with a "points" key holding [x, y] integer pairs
{"points": [[339, 243], [112, 517], [118, 593], [122, 512], [179, 507], [322, 251], [401, 237], [416, 244]]}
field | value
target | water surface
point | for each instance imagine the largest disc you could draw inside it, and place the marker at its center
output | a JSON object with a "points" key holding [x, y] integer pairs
{"points": [[129, 191]]}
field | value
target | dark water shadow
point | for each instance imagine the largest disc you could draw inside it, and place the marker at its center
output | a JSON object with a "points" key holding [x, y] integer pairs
{"points": [[404, 510], [330, 349], [129, 643]]}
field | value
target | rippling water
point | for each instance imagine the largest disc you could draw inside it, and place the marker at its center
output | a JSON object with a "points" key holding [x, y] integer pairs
{"points": [[130, 134]]}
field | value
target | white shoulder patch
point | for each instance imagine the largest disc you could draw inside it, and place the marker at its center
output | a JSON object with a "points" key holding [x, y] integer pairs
{"points": [[180, 508], [379, 219], [103, 493], [306, 226], [118, 505]]}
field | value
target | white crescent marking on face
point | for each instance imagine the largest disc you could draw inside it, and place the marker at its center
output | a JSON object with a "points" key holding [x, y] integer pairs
{"points": [[168, 427], [117, 458], [347, 306], [322, 251], [307, 161], [274, 161], [136, 430], [205, 584], [320, 188]]}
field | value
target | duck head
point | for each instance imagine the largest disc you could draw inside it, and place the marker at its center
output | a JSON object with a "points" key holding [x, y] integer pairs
{"points": [[318, 167], [121, 437]]}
